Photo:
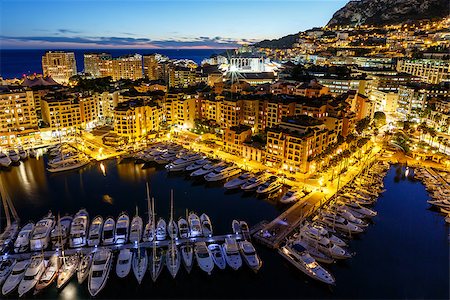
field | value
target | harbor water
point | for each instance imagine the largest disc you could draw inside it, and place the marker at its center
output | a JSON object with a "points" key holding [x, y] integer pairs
{"points": [[403, 254]]}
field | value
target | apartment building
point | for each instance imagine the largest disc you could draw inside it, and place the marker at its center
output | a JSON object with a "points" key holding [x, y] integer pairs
{"points": [[432, 71], [234, 138], [97, 64], [127, 67], [59, 65]]}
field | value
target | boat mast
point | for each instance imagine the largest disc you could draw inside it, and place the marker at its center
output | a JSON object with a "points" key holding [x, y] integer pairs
{"points": [[154, 235], [173, 227]]}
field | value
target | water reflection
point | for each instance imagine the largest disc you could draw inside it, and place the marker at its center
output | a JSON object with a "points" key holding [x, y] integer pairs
{"points": [[108, 199], [133, 172]]}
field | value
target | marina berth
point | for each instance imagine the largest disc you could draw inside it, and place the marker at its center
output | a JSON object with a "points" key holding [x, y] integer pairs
{"points": [[183, 228], [180, 164], [173, 259], [161, 230], [156, 262], [197, 164], [314, 251], [13, 156], [136, 229], [291, 196], [205, 169], [172, 230], [109, 227], [74, 164], [22, 154]]}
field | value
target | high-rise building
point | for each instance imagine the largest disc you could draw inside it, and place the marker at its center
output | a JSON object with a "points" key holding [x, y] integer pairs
{"points": [[152, 68], [59, 65], [98, 64], [127, 67], [432, 71]]}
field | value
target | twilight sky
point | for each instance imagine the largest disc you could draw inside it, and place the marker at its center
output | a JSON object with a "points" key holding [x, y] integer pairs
{"points": [[155, 24]]}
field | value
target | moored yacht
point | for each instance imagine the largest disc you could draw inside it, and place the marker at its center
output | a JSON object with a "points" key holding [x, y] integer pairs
{"points": [[217, 255], [122, 226], [156, 262], [136, 229], [84, 267], [32, 274], [22, 154], [315, 252], [187, 255], [5, 161], [173, 259], [74, 164], [60, 233], [50, 273], [123, 265], [253, 183], [181, 163], [204, 258], [194, 225], [249, 255], [341, 224], [237, 182], [183, 228], [101, 266], [79, 229], [161, 230], [95, 231], [15, 277], [13, 156], [205, 169], [22, 242], [67, 270], [149, 232], [108, 231], [8, 236], [271, 185], [6, 267], [231, 252], [236, 227], [139, 263], [41, 234], [172, 230], [292, 195], [318, 231], [197, 164], [206, 225], [222, 174]]}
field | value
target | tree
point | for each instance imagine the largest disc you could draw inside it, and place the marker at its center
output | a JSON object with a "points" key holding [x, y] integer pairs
{"points": [[362, 125], [379, 118]]}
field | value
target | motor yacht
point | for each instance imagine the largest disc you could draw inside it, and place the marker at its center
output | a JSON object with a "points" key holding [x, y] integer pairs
{"points": [[50, 273], [231, 253], [139, 264], [122, 226], [40, 237], [250, 256], [8, 236], [244, 229], [6, 267], [32, 274], [109, 228], [95, 231], [253, 183], [15, 277], [79, 229], [60, 233], [5, 161], [205, 169], [74, 164], [204, 258], [67, 270], [173, 259], [315, 252], [236, 227], [166, 158], [181, 163], [84, 267], [349, 216], [187, 255], [222, 174], [325, 245], [341, 224], [156, 262], [217, 255], [22, 242], [183, 228], [292, 195], [300, 258], [15, 158], [101, 266], [195, 225], [199, 163], [317, 232], [123, 265], [172, 230], [269, 186], [237, 182], [161, 230], [136, 229], [206, 225], [22, 154]]}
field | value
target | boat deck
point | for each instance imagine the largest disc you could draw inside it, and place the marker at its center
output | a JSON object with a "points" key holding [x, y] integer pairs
{"points": [[118, 247]]}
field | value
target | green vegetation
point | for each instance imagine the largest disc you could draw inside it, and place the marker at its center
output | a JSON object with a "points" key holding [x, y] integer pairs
{"points": [[379, 119]]}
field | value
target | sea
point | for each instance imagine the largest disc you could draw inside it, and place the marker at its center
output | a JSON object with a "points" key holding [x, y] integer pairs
{"points": [[403, 254], [18, 62]]}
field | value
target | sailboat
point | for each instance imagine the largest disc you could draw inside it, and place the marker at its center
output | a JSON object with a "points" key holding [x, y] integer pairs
{"points": [[84, 267], [139, 264], [187, 250], [50, 273], [157, 257], [149, 231], [173, 259]]}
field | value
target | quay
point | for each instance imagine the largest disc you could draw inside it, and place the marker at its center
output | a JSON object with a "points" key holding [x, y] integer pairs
{"points": [[118, 247]]}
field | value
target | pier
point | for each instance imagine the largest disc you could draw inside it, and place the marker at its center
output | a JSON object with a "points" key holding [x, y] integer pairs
{"points": [[118, 247]]}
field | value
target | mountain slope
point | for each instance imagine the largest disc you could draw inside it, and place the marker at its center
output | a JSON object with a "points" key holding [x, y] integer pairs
{"points": [[380, 12]]}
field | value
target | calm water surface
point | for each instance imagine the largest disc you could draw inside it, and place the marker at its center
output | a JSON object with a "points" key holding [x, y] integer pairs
{"points": [[404, 254]]}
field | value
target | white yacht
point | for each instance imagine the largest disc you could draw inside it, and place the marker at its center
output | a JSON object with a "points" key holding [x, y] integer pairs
{"points": [[60, 233], [62, 159], [136, 229], [187, 255], [222, 174], [217, 255], [349, 216], [206, 225], [249, 255], [6, 267], [181, 163], [79, 229], [341, 224], [156, 262], [315, 252], [271, 185], [84, 267], [69, 165], [108, 231], [318, 231], [32, 274], [101, 266], [195, 225], [236, 227], [204, 258], [13, 156], [139, 264], [40, 237], [161, 230], [356, 207], [15, 277], [172, 230], [8, 236], [292, 195], [123, 265], [22, 242], [67, 270], [299, 257], [231, 252], [237, 182], [244, 229], [199, 163], [95, 231], [253, 183], [5, 161], [122, 226], [173, 259], [325, 245], [183, 228], [149, 232], [50, 273], [208, 168]]}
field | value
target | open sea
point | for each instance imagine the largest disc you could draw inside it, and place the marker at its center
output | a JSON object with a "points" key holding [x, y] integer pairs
{"points": [[16, 63], [404, 254]]}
